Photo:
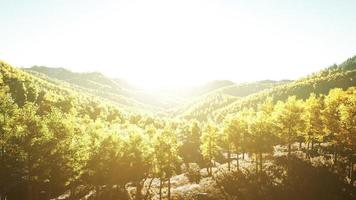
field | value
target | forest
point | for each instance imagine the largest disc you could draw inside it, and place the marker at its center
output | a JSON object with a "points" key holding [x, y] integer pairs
{"points": [[88, 137]]}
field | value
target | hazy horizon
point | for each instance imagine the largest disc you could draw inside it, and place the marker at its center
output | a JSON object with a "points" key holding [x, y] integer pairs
{"points": [[162, 44]]}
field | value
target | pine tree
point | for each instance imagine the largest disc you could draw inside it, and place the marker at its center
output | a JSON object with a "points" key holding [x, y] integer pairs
{"points": [[166, 156], [289, 120], [314, 123], [209, 147]]}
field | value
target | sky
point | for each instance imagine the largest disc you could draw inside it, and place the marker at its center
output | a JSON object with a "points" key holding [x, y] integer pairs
{"points": [[164, 43]]}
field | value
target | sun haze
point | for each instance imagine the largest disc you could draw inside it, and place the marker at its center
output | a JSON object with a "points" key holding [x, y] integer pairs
{"points": [[162, 44]]}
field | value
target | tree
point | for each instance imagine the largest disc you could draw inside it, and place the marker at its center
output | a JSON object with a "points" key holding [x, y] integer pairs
{"points": [[166, 156], [209, 147], [68, 151], [17, 90], [235, 135], [314, 123], [190, 138], [137, 154], [332, 118], [262, 131], [348, 128], [289, 120], [33, 141], [8, 158]]}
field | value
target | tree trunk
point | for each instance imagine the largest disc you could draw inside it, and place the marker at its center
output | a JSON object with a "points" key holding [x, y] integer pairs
{"points": [[237, 161], [29, 191], [243, 155], [228, 160], [335, 155], [350, 169], [138, 195], [261, 164], [97, 192], [169, 188], [256, 163], [148, 189], [160, 188], [351, 172], [71, 196], [29, 184], [210, 158], [289, 142]]}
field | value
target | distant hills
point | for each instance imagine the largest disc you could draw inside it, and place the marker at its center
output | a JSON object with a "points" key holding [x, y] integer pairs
{"points": [[123, 92], [213, 100]]}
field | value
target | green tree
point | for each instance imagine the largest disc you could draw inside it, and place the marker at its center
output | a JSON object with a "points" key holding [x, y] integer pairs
{"points": [[190, 135], [210, 147], [166, 156], [137, 154], [33, 142], [8, 158], [235, 135], [332, 118], [348, 129], [314, 123], [289, 120]]}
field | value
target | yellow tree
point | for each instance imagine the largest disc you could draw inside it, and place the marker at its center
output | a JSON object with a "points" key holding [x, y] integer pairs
{"points": [[289, 120], [235, 134], [209, 147], [332, 118], [165, 156], [348, 127], [314, 123], [262, 132]]}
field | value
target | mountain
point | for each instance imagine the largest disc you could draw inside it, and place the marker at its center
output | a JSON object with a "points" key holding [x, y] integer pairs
{"points": [[95, 83], [218, 98], [336, 76], [36, 88], [123, 92], [201, 107]]}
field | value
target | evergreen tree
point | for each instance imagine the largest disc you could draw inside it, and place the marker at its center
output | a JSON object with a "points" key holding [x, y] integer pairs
{"points": [[210, 148], [289, 120]]}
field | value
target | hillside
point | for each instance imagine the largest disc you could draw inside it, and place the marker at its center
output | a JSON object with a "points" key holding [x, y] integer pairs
{"points": [[61, 140], [121, 91], [93, 83], [39, 89], [336, 76], [201, 107], [162, 102]]}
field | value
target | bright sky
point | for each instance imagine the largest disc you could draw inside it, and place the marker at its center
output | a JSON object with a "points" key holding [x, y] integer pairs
{"points": [[163, 43]]}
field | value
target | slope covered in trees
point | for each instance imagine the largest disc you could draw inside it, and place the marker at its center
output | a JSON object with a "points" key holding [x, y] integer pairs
{"points": [[201, 108], [342, 76], [184, 102], [97, 84], [292, 140]]}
